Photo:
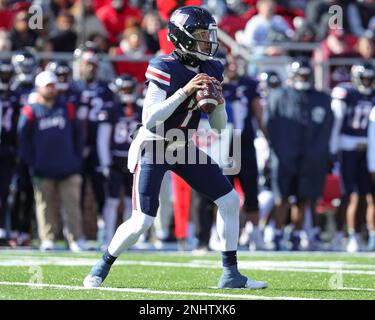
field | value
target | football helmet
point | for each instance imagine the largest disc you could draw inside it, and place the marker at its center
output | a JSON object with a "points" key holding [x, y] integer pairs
{"points": [[362, 76], [62, 71], [25, 66], [193, 31], [125, 87], [301, 74], [268, 80], [6, 74]]}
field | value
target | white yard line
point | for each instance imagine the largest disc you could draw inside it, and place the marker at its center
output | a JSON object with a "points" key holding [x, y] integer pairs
{"points": [[161, 292], [356, 289], [267, 265]]}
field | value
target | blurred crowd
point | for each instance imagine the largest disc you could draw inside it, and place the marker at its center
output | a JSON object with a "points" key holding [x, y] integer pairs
{"points": [[63, 172]]}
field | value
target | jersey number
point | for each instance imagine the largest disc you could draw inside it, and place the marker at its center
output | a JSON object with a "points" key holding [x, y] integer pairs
{"points": [[7, 119], [361, 117], [191, 108], [122, 132]]}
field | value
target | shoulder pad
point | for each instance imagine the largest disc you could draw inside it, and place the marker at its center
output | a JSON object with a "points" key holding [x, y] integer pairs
{"points": [[218, 68], [158, 71], [372, 115], [339, 92]]}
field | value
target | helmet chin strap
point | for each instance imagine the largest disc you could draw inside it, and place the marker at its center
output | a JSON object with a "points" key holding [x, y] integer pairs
{"points": [[365, 90], [302, 85], [188, 59]]}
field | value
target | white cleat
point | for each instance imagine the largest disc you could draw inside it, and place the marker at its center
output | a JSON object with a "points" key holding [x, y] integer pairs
{"points": [[353, 245], [92, 281], [253, 284]]}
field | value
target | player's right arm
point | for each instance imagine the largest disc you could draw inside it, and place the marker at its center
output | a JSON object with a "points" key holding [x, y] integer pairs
{"points": [[338, 106]]}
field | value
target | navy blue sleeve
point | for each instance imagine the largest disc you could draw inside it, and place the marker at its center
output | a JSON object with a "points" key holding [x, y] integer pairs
{"points": [[25, 132]]}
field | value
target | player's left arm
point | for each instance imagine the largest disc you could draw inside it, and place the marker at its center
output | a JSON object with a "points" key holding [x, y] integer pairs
{"points": [[371, 144], [257, 108], [218, 118]]}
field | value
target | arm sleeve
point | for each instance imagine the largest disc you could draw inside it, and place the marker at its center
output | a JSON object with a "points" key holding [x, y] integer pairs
{"points": [[371, 143], [354, 20], [157, 108], [103, 144], [338, 107], [26, 151], [218, 118]]}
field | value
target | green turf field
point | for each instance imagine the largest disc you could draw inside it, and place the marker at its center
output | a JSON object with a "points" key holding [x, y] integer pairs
{"points": [[171, 275]]}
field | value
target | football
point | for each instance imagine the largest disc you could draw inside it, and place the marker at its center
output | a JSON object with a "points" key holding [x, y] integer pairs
{"points": [[207, 98]]}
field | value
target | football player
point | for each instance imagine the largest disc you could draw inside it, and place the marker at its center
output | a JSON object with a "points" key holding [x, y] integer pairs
{"points": [[299, 121], [113, 142], [241, 95], [95, 96], [25, 67], [9, 113], [170, 104], [352, 104], [64, 87]]}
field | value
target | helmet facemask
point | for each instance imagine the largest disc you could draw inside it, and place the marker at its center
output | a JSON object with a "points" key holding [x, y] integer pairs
{"points": [[204, 43], [363, 79]]}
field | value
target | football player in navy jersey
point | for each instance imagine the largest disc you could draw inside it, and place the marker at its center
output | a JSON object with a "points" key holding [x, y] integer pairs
{"points": [[299, 122], [113, 142], [95, 96], [352, 105], [241, 95], [65, 87], [9, 113], [170, 104], [22, 201], [25, 67]]}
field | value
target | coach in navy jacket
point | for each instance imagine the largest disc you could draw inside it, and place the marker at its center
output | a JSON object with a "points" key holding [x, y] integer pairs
{"points": [[51, 144]]}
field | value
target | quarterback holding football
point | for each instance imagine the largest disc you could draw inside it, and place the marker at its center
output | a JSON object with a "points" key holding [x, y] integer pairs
{"points": [[172, 102]]}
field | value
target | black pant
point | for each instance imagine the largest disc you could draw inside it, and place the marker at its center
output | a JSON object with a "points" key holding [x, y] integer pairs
{"points": [[22, 199]]}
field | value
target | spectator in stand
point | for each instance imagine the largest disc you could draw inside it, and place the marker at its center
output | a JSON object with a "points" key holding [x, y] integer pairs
{"points": [[166, 7], [5, 43], [6, 16], [359, 16], [88, 21], [337, 45], [116, 16], [366, 46], [134, 46], [151, 25], [265, 28], [21, 35], [106, 72], [64, 39], [43, 126]]}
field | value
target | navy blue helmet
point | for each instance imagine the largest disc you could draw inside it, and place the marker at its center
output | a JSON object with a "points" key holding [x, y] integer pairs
{"points": [[269, 79], [193, 31], [62, 70], [301, 74], [25, 66], [362, 77], [6, 74], [125, 86]]}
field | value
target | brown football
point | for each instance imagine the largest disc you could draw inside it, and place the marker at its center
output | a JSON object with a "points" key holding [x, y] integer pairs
{"points": [[207, 98]]}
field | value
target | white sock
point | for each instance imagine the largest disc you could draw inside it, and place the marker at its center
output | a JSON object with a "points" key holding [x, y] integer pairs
{"points": [[227, 220], [128, 209], [110, 217], [129, 232]]}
